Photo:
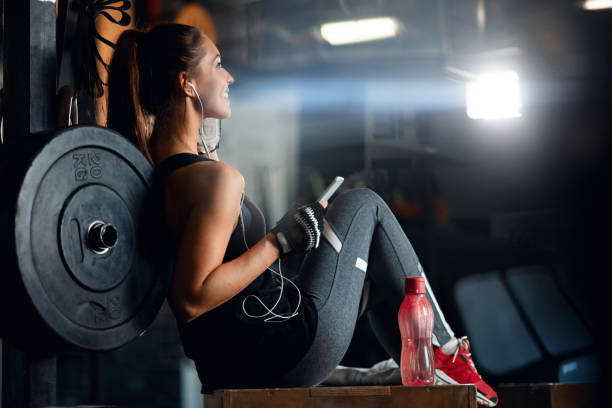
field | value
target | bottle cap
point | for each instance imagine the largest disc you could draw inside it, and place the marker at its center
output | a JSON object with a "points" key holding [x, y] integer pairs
{"points": [[414, 285]]}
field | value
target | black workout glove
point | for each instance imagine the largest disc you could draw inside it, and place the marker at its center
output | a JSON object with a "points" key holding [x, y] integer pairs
{"points": [[308, 219]]}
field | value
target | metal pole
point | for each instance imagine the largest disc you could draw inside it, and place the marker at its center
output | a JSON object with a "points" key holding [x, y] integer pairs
{"points": [[29, 42], [30, 83]]}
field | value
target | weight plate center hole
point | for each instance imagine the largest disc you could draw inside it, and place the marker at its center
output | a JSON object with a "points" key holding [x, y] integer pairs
{"points": [[101, 237], [108, 234]]}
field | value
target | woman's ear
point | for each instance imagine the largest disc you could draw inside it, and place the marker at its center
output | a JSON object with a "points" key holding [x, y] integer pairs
{"points": [[184, 80]]}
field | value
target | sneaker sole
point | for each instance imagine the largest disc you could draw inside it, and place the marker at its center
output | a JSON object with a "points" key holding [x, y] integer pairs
{"points": [[442, 378]]}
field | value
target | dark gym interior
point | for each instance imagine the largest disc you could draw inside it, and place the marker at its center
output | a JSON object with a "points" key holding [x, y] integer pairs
{"points": [[483, 124]]}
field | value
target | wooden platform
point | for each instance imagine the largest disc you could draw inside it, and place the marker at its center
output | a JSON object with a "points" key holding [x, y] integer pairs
{"points": [[547, 395], [388, 396]]}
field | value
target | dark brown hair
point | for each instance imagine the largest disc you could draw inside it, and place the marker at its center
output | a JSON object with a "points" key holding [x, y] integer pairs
{"points": [[143, 77]]}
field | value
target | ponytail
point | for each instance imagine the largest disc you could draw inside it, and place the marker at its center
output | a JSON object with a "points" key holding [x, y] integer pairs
{"points": [[142, 81], [125, 113]]}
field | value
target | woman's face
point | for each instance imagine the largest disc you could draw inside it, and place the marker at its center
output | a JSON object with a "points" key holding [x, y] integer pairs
{"points": [[212, 83]]}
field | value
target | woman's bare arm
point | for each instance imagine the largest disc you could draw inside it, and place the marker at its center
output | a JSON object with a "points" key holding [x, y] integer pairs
{"points": [[201, 281]]}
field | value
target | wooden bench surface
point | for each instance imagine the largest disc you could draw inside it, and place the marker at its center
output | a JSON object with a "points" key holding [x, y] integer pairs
{"points": [[391, 396], [547, 395]]}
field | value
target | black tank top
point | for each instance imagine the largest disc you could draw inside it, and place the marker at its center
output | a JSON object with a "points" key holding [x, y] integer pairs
{"points": [[229, 348]]}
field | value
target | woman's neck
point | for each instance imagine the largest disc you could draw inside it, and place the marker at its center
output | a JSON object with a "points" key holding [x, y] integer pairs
{"points": [[175, 134], [163, 146]]}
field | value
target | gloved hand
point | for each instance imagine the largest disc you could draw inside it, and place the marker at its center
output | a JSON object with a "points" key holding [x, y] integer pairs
{"points": [[300, 228]]}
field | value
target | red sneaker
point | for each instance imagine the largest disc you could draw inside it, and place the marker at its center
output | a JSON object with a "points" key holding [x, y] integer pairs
{"points": [[459, 369]]}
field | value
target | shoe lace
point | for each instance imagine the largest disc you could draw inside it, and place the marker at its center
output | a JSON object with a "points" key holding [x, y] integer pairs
{"points": [[464, 344]]}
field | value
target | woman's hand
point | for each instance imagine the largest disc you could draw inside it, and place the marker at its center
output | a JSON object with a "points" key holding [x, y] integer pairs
{"points": [[300, 228], [297, 233]]}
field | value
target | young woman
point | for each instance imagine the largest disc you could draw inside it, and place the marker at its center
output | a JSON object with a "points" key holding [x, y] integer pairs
{"points": [[225, 294]]}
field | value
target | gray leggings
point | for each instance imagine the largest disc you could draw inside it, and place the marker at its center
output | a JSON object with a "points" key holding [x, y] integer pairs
{"points": [[367, 241]]}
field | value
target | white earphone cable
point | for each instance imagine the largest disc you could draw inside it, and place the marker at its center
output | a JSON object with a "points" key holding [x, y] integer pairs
{"points": [[201, 131], [280, 273]]}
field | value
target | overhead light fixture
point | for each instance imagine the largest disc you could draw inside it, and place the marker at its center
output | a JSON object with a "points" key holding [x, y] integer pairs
{"points": [[597, 4], [354, 31], [494, 96]]}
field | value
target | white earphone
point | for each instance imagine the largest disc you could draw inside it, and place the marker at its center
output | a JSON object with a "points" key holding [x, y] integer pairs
{"points": [[201, 130]]}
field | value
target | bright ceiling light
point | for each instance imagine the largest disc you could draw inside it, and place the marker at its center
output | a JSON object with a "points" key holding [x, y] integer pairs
{"points": [[347, 32], [494, 96], [597, 4]]}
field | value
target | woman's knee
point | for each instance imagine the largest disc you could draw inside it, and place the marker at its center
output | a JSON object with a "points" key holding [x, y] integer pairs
{"points": [[351, 202], [362, 197], [360, 204], [359, 195]]}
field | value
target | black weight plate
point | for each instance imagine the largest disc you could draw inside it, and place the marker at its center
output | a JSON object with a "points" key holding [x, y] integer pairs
{"points": [[94, 299]]}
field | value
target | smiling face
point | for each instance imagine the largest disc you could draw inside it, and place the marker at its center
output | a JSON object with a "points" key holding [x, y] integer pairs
{"points": [[212, 82]]}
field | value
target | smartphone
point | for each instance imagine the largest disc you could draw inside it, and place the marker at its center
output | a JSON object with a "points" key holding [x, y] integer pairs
{"points": [[331, 189]]}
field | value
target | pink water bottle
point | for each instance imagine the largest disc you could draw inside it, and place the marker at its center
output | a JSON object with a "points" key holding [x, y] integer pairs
{"points": [[416, 324]]}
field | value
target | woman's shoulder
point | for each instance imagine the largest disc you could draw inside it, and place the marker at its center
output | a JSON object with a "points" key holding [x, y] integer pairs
{"points": [[201, 179], [216, 173], [200, 185]]}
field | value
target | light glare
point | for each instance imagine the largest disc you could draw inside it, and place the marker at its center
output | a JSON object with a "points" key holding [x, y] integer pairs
{"points": [[494, 96], [347, 32], [597, 4]]}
